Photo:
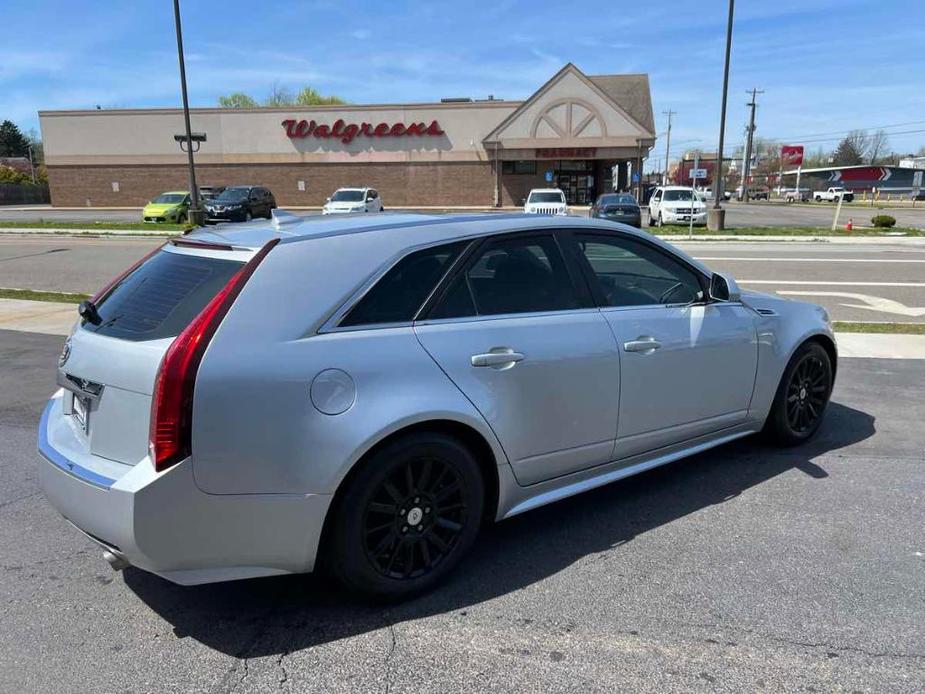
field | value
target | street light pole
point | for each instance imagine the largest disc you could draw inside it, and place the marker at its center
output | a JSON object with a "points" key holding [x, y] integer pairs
{"points": [[194, 212]]}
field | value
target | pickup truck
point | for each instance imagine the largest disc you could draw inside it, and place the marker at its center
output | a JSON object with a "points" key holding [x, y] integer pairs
{"points": [[794, 195], [833, 194]]}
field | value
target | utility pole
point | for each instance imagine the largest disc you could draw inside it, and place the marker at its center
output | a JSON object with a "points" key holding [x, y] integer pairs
{"points": [[747, 164], [717, 220], [668, 113], [194, 213]]}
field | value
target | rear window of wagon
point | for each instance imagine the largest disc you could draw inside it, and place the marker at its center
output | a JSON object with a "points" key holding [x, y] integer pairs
{"points": [[162, 296]]}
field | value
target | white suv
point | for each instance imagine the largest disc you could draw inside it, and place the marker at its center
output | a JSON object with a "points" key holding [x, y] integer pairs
{"points": [[347, 200], [546, 201], [676, 205]]}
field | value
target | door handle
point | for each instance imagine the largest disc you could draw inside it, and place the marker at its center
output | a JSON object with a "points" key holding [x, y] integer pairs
{"points": [[643, 343], [498, 357]]}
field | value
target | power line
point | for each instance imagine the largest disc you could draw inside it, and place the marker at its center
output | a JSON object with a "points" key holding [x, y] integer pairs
{"points": [[836, 138]]}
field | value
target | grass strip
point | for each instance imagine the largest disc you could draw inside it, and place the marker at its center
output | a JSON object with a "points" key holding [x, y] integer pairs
{"points": [[680, 230], [880, 328], [38, 295], [91, 225]]}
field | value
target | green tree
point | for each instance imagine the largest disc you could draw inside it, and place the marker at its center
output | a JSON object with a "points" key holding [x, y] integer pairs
{"points": [[848, 152], [12, 142], [237, 100], [280, 96], [312, 97]]}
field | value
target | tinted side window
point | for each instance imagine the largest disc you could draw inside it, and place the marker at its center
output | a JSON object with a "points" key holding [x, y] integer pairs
{"points": [[515, 275], [630, 273], [398, 295]]}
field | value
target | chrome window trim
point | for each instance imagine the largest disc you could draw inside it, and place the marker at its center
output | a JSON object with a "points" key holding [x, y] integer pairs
{"points": [[505, 316]]}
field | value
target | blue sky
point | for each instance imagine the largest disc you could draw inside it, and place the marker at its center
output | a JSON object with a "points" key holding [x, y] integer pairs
{"points": [[826, 66]]}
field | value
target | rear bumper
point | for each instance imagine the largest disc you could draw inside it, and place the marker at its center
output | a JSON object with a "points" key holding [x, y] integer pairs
{"points": [[163, 522]]}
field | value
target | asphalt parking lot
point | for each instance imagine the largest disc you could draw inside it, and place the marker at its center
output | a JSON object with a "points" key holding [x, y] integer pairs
{"points": [[746, 568]]}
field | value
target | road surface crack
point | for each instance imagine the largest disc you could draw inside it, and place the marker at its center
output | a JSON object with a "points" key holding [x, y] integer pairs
{"points": [[388, 658]]}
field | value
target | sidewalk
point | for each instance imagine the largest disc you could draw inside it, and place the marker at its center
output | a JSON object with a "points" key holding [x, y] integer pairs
{"points": [[53, 318]]}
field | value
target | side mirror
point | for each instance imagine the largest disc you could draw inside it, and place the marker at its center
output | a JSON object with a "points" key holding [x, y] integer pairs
{"points": [[724, 288], [523, 201], [327, 199]]}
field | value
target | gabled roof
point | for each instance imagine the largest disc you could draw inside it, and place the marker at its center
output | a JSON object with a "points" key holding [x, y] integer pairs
{"points": [[632, 93], [613, 89]]}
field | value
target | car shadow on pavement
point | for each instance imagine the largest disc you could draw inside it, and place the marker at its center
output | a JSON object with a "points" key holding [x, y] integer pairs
{"points": [[272, 616]]}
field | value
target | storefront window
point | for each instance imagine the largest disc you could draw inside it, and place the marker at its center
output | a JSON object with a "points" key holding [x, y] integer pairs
{"points": [[518, 167]]}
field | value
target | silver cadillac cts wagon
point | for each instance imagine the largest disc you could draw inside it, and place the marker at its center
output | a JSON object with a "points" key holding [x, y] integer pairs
{"points": [[363, 394]]}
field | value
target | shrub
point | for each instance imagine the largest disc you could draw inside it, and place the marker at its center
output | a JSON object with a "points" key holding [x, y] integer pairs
{"points": [[883, 220], [11, 175]]}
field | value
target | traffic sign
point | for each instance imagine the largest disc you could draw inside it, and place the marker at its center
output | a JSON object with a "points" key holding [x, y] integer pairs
{"points": [[698, 173], [549, 177], [635, 178]]}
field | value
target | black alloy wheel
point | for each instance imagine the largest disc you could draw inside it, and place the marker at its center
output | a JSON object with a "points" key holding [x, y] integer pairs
{"points": [[802, 396], [405, 517], [414, 518], [807, 394]]}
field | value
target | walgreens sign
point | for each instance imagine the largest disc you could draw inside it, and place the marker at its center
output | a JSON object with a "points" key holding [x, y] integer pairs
{"points": [[348, 132]]}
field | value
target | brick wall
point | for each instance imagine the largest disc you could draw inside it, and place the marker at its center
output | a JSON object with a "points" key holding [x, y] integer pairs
{"points": [[516, 187], [432, 183]]}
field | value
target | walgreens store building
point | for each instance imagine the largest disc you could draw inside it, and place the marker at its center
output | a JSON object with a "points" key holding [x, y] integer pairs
{"points": [[577, 132]]}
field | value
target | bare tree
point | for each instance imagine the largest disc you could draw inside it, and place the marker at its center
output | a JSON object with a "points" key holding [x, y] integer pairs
{"points": [[279, 96], [877, 146]]}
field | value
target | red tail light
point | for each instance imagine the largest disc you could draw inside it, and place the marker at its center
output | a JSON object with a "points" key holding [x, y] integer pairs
{"points": [[172, 404]]}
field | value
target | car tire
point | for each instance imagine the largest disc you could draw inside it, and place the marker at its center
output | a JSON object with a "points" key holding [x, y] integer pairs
{"points": [[396, 534], [248, 216], [817, 199], [802, 396], [659, 222], [181, 218]]}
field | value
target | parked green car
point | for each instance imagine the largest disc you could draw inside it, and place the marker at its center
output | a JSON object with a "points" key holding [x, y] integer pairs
{"points": [[168, 207]]}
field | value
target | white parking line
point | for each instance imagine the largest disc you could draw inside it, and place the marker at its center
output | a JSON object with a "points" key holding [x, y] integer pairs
{"points": [[811, 260], [802, 283]]}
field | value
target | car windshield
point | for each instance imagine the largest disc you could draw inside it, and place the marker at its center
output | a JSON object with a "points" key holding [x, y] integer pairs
{"points": [[232, 195], [552, 196], [347, 196], [617, 200], [676, 195], [169, 198]]}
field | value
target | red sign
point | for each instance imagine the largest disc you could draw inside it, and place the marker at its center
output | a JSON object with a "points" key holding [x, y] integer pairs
{"points": [[791, 155], [346, 132], [567, 153]]}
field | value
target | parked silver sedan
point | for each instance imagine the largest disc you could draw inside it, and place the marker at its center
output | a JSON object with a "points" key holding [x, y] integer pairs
{"points": [[363, 394]]}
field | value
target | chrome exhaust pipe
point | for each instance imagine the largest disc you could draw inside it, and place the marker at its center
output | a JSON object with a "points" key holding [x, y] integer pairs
{"points": [[117, 562]]}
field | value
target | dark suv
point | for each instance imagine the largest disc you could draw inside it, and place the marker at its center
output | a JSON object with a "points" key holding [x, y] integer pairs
{"points": [[240, 204]]}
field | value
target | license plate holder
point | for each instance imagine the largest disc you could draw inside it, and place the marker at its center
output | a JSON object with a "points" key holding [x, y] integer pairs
{"points": [[80, 408]]}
